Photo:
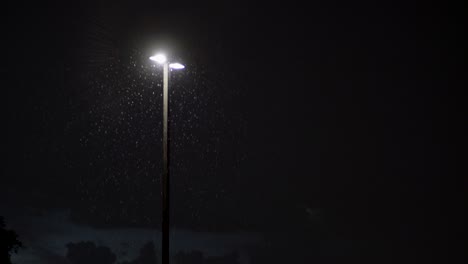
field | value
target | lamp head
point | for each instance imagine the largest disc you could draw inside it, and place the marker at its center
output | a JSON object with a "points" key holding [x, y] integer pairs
{"points": [[176, 66], [159, 58]]}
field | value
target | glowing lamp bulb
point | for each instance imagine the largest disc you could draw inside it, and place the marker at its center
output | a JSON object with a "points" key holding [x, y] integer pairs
{"points": [[159, 58], [176, 66]]}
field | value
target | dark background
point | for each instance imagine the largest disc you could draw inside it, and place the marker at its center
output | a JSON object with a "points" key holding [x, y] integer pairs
{"points": [[330, 128]]}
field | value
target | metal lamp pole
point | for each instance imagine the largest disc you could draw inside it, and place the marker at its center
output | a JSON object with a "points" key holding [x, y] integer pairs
{"points": [[161, 59], [165, 175]]}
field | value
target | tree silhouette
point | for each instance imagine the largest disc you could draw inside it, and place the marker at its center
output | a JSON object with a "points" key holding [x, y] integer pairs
{"points": [[231, 258], [194, 257], [8, 243], [147, 255], [86, 252]]}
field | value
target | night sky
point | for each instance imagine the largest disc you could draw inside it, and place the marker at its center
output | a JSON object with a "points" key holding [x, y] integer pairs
{"points": [[320, 133]]}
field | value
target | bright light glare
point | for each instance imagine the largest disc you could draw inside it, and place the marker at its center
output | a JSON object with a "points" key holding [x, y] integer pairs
{"points": [[176, 66], [159, 58]]}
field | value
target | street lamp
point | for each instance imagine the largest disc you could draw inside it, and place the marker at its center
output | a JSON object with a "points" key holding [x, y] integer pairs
{"points": [[162, 59]]}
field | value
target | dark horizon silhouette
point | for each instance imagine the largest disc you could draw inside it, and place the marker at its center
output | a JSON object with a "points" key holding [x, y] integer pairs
{"points": [[9, 242]]}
